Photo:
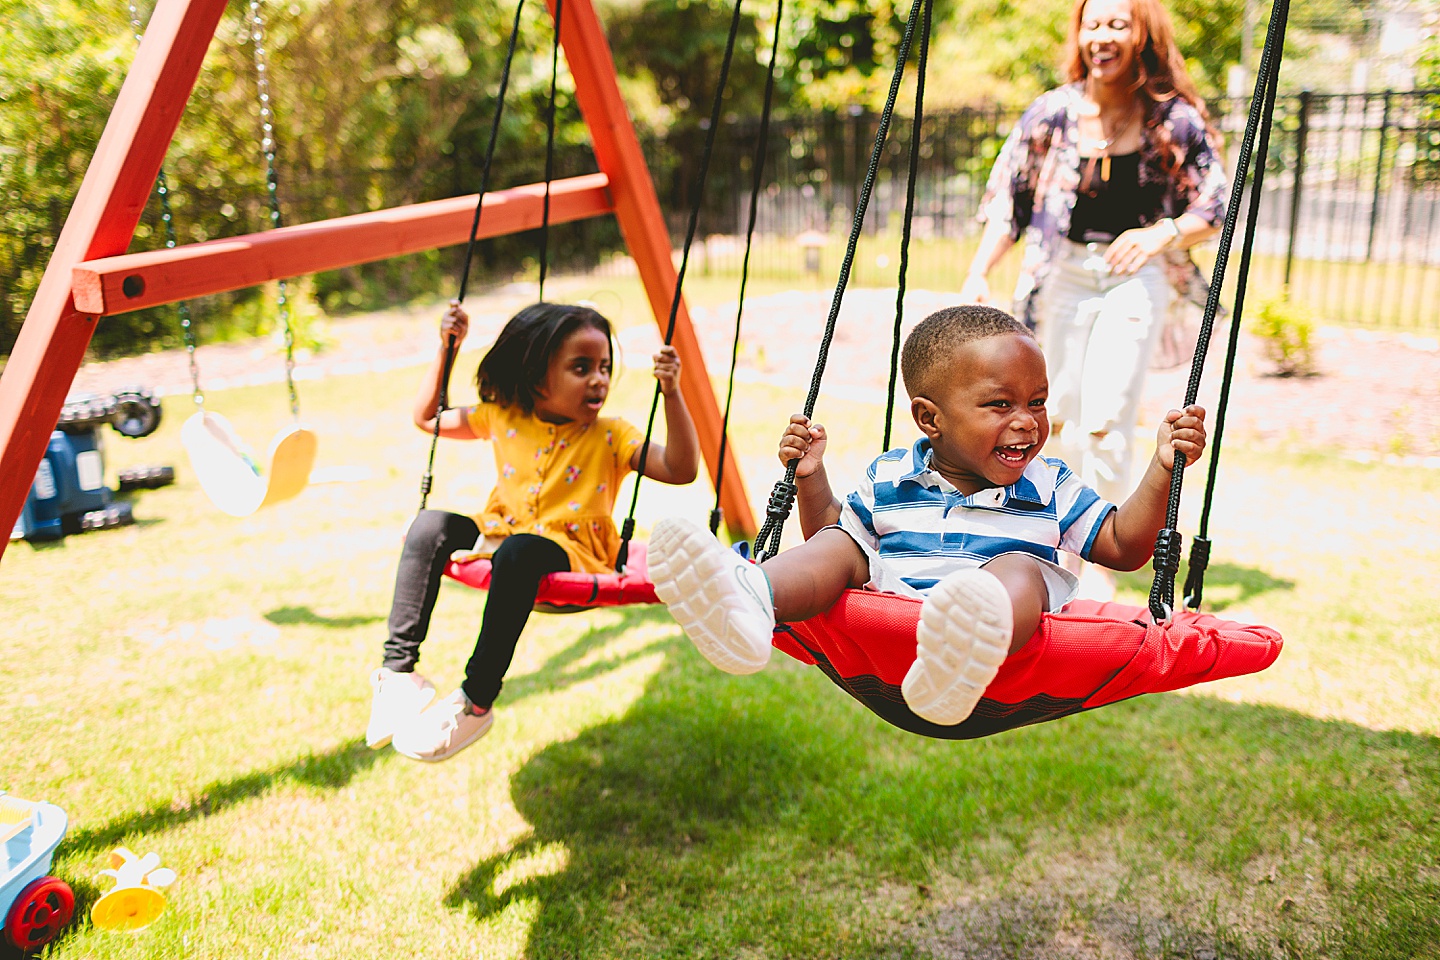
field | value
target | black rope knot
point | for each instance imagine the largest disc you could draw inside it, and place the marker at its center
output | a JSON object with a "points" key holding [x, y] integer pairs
{"points": [[627, 531], [782, 499], [1195, 576], [1168, 545], [716, 516]]}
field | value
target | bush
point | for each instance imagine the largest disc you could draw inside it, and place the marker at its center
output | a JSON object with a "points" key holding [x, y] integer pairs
{"points": [[1287, 332]]}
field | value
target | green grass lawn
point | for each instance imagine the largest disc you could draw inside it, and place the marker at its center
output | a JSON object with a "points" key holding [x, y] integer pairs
{"points": [[195, 685]]}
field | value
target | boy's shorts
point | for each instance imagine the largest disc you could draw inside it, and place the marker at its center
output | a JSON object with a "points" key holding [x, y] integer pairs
{"points": [[1061, 585]]}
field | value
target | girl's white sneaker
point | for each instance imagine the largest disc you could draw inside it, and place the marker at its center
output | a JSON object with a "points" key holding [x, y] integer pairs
{"points": [[721, 599], [962, 638], [396, 699], [444, 730]]}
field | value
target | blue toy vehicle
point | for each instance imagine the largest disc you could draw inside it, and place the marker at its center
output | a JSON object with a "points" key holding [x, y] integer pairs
{"points": [[68, 494], [35, 907]]}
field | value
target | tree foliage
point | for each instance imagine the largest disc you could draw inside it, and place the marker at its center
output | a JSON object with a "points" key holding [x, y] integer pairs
{"points": [[382, 102]]}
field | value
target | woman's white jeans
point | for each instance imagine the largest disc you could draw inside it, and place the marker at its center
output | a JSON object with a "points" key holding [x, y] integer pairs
{"points": [[1098, 331]]}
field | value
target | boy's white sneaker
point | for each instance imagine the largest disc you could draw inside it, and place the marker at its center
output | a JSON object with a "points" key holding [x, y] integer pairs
{"points": [[721, 600], [442, 731], [962, 638], [397, 698]]}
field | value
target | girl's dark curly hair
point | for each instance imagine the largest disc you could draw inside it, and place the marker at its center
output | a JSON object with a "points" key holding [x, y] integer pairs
{"points": [[515, 366]]}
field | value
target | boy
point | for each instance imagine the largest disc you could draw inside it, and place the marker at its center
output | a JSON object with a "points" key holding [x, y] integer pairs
{"points": [[970, 518]]}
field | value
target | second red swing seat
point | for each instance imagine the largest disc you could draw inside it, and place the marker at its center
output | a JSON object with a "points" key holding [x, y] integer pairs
{"points": [[572, 592], [1090, 655]]}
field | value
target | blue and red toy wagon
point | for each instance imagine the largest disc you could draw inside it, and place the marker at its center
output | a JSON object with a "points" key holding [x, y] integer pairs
{"points": [[35, 906]]}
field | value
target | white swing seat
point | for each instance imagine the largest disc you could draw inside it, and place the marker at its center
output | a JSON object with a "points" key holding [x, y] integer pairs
{"points": [[226, 469]]}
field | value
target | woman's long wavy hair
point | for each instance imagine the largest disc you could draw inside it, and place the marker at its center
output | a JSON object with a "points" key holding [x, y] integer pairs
{"points": [[515, 367], [1160, 68]]}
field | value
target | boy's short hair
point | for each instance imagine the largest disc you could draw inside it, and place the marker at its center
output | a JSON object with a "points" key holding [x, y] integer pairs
{"points": [[934, 339]]}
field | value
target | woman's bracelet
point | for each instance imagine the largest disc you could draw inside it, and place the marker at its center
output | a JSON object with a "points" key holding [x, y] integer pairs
{"points": [[1174, 229]]}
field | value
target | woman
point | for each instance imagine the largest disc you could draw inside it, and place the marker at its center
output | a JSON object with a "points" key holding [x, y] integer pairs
{"points": [[1108, 179]]}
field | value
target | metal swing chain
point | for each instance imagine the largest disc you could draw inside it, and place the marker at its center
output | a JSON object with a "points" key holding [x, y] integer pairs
{"points": [[162, 188], [782, 497], [915, 125], [443, 401], [1168, 541], [627, 531], [267, 146], [717, 515]]}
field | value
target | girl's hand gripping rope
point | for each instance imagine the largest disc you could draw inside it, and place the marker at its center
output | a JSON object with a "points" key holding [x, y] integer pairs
{"points": [[667, 370], [455, 323]]}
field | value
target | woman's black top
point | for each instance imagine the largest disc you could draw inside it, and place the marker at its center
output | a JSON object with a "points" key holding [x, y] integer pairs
{"points": [[1106, 208]]}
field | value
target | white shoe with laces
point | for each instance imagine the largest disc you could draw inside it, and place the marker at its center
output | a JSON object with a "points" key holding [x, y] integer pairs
{"points": [[962, 638], [397, 698], [444, 730], [722, 600]]}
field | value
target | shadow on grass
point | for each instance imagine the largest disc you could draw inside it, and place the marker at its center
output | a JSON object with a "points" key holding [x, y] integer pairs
{"points": [[560, 672], [1250, 581], [770, 815], [284, 616], [330, 770]]}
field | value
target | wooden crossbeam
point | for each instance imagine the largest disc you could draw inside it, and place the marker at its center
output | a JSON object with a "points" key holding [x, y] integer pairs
{"points": [[121, 284]]}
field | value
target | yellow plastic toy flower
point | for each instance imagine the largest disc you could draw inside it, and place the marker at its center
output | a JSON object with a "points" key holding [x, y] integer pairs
{"points": [[135, 901]]}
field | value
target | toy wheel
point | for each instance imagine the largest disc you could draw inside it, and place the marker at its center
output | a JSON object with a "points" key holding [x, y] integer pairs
{"points": [[137, 414], [146, 478], [115, 515], [39, 912]]}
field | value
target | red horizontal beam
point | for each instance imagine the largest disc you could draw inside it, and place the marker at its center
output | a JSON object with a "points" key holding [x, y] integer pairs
{"points": [[121, 284]]}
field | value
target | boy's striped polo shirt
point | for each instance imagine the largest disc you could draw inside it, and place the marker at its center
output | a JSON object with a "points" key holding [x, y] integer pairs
{"points": [[922, 528]]}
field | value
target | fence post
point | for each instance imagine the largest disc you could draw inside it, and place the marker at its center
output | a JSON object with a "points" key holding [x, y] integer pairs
{"points": [[1299, 179], [1379, 179]]}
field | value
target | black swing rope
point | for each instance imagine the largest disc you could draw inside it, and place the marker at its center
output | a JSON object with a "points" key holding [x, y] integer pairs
{"points": [[549, 154], [782, 497], [1262, 107], [628, 530], [1200, 544], [757, 181], [443, 401], [915, 124]]}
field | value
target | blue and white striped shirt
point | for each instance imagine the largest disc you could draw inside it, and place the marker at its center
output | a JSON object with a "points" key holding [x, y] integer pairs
{"points": [[922, 528]]}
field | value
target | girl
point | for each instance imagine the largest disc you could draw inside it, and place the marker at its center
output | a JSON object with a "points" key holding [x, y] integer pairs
{"points": [[559, 465]]}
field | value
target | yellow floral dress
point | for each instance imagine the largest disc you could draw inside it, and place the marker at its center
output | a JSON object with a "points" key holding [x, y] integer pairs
{"points": [[555, 480]]}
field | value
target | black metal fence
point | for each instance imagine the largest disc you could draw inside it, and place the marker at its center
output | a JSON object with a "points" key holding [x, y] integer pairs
{"points": [[1348, 221]]}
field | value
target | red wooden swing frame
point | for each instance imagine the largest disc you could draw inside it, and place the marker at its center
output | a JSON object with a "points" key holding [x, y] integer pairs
{"points": [[89, 276]]}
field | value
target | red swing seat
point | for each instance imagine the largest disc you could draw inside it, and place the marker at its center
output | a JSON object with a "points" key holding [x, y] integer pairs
{"points": [[1088, 656], [573, 592]]}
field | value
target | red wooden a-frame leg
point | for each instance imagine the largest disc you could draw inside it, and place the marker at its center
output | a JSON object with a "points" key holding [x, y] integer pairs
{"points": [[101, 223], [638, 210]]}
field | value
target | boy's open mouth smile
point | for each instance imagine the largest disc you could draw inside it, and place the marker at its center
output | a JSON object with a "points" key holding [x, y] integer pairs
{"points": [[1014, 455]]}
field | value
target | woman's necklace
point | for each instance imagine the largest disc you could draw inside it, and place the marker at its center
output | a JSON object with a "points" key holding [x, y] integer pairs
{"points": [[1102, 154]]}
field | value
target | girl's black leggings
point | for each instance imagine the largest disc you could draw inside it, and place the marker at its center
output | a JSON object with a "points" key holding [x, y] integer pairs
{"points": [[515, 575]]}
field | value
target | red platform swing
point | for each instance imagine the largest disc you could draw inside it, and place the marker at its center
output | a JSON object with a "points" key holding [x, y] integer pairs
{"points": [[1091, 654]]}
